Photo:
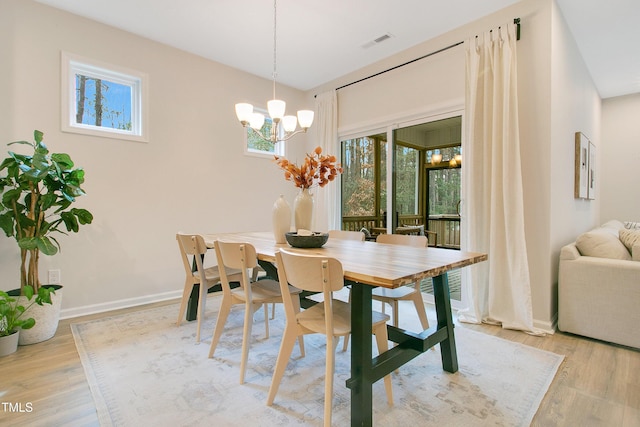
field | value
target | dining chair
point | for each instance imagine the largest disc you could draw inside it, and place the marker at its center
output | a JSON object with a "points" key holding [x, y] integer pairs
{"points": [[193, 245], [403, 293], [331, 317], [346, 235], [242, 256]]}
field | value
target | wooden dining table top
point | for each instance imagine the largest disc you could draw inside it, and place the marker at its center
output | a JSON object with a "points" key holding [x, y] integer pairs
{"points": [[372, 263]]}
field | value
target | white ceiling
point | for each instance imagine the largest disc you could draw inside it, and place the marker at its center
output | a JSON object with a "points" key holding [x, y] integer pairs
{"points": [[319, 41]]}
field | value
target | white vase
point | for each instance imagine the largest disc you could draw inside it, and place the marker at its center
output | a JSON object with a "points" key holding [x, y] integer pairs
{"points": [[303, 209], [281, 216]]}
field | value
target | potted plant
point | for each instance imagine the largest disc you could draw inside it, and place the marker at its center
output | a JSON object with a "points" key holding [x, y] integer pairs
{"points": [[12, 316], [37, 193]]}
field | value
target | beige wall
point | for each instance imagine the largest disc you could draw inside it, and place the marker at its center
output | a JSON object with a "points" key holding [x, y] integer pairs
{"points": [[619, 159], [191, 176], [575, 107]]}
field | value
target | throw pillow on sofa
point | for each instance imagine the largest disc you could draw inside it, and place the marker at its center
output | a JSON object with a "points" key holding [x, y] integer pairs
{"points": [[602, 243], [631, 238]]}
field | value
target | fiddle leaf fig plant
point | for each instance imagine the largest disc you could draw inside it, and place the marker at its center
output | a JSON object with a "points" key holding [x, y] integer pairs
{"points": [[37, 193]]}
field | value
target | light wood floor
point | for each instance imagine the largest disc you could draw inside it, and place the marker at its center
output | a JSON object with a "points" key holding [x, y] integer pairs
{"points": [[598, 384]]}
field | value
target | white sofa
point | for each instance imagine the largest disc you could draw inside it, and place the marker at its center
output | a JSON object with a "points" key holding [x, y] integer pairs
{"points": [[599, 285]]}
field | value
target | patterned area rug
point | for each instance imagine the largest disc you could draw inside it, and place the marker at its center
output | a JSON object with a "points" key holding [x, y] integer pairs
{"points": [[144, 370]]}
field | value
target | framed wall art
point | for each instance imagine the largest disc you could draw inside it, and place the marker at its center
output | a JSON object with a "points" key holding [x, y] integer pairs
{"points": [[585, 151], [591, 193]]}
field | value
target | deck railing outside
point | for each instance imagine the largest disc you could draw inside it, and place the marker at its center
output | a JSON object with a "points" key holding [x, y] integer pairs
{"points": [[447, 227]]}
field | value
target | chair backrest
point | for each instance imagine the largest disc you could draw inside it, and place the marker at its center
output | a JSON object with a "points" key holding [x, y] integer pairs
{"points": [[309, 273], [192, 245], [239, 256], [346, 235], [403, 239]]}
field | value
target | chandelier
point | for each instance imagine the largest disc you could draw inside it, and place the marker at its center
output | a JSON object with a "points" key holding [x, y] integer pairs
{"points": [[282, 127]]}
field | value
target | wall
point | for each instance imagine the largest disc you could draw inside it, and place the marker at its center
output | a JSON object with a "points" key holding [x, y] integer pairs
{"points": [[575, 107], [191, 176], [434, 86], [619, 159]]}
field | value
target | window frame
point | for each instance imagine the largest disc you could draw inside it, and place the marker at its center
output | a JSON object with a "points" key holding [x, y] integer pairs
{"points": [[280, 148], [71, 65]]}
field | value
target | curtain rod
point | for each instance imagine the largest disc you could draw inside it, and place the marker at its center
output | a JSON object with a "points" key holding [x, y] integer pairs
{"points": [[515, 21]]}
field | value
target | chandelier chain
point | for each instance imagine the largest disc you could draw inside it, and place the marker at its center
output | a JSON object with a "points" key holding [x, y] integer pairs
{"points": [[274, 47]]}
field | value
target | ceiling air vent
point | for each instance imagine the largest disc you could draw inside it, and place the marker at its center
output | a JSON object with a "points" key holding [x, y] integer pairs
{"points": [[377, 40]]}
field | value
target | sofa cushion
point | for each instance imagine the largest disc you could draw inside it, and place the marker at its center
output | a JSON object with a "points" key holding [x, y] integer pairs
{"points": [[630, 238], [602, 243]]}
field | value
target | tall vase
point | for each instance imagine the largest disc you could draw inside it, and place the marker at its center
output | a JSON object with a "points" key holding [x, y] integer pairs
{"points": [[303, 209], [281, 216]]}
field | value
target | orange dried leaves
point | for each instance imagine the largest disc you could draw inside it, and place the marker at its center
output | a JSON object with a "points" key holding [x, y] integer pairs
{"points": [[316, 169]]}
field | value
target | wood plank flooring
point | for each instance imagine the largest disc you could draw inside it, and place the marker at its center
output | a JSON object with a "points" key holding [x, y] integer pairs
{"points": [[598, 384]]}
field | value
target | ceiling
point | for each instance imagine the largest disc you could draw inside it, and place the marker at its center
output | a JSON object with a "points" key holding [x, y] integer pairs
{"points": [[318, 41]]}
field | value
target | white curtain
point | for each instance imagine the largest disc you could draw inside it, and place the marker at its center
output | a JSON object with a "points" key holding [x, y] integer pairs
{"points": [[499, 289], [327, 206]]}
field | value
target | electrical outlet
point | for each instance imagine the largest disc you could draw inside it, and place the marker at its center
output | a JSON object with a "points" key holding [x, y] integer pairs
{"points": [[54, 277]]}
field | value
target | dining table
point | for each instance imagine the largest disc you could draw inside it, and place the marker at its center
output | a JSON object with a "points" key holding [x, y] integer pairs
{"points": [[367, 265]]}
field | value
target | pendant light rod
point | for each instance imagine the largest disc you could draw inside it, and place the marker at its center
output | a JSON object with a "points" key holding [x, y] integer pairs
{"points": [[275, 47]]}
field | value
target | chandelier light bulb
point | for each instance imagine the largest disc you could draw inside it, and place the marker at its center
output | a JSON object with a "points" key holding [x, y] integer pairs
{"points": [[289, 123], [276, 109], [257, 121], [244, 111], [436, 157], [305, 118]]}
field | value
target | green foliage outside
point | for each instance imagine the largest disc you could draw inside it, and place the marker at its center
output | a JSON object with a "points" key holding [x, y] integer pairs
{"points": [[444, 186], [254, 142], [359, 186]]}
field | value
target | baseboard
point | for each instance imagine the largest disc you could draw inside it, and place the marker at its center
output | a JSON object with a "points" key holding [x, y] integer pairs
{"points": [[116, 305], [548, 327]]}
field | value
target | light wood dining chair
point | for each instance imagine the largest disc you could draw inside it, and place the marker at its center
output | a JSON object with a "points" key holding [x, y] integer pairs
{"points": [[242, 256], [346, 235], [195, 274], [331, 317], [403, 293]]}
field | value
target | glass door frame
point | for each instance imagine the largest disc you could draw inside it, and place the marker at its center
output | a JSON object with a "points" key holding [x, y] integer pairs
{"points": [[389, 128]]}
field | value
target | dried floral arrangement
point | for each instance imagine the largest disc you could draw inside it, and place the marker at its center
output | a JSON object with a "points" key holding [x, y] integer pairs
{"points": [[316, 169]]}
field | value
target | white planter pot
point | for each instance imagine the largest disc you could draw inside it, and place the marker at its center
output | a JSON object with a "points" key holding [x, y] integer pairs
{"points": [[46, 317], [9, 344]]}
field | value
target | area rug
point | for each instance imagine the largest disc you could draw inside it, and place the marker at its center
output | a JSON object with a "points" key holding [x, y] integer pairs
{"points": [[144, 370]]}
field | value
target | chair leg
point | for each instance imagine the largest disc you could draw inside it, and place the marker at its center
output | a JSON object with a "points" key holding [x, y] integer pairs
{"points": [[266, 320], [332, 343], [422, 313], [394, 306], [286, 348], [246, 338], [183, 303], [225, 308], [382, 340], [202, 304], [296, 309]]}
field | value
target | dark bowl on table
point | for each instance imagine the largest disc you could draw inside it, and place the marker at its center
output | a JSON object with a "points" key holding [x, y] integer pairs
{"points": [[314, 241]]}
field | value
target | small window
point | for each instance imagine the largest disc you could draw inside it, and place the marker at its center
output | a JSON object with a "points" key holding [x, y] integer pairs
{"points": [[256, 146], [102, 100]]}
